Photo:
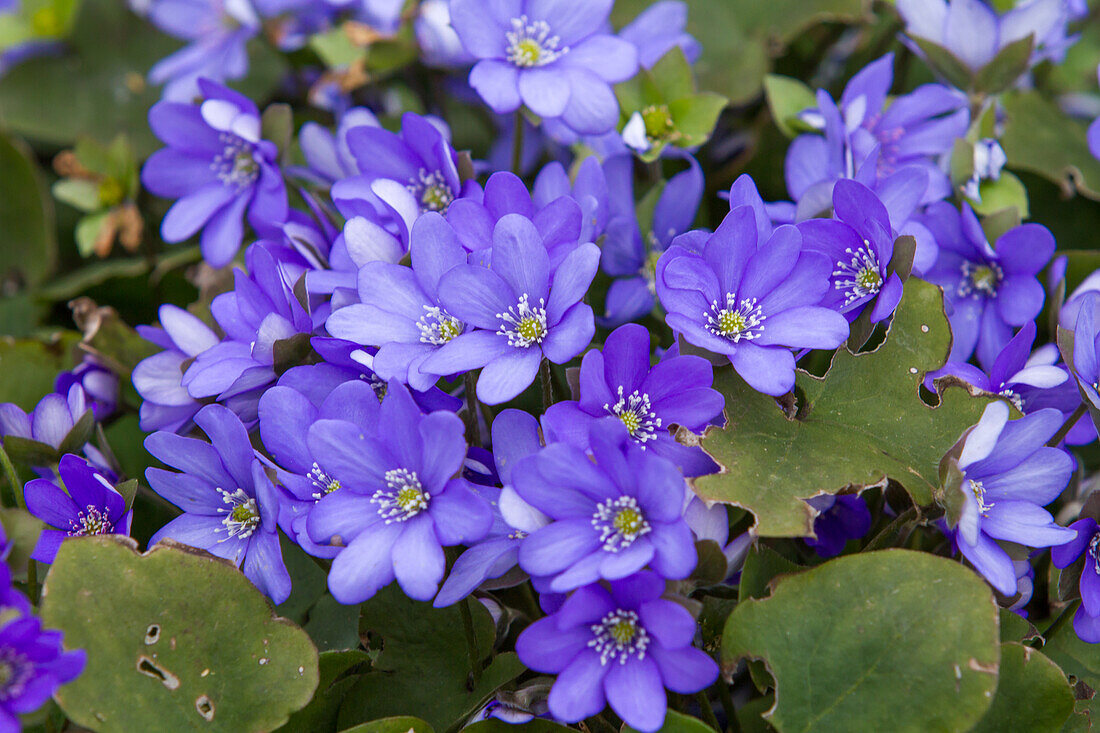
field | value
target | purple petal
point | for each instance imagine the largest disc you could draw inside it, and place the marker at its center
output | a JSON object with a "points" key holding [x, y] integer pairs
{"points": [[365, 566], [634, 691], [578, 691]]}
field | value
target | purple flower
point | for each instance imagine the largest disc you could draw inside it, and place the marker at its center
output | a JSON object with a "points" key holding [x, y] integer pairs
{"points": [[1086, 541], [630, 255], [515, 435], [988, 290], [35, 667], [519, 313], [619, 381], [438, 41], [660, 28], [562, 217], [1094, 131], [589, 190], [860, 242], [839, 519], [51, 421], [751, 300], [400, 311], [92, 506], [228, 501], [328, 157], [399, 503], [167, 405], [217, 31], [1014, 375], [880, 145], [622, 645], [1008, 475], [218, 167], [99, 383], [975, 33], [400, 176], [303, 396], [609, 518], [553, 57], [1086, 345], [261, 311]]}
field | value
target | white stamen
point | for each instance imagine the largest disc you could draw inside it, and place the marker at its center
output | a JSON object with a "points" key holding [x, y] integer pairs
{"points": [[619, 636], [523, 324], [737, 320], [619, 522], [637, 415]]}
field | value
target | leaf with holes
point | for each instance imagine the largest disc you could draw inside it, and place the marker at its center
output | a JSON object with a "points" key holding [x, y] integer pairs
{"points": [[185, 633], [862, 423], [837, 638]]}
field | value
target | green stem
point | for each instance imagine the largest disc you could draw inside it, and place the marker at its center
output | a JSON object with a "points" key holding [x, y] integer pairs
{"points": [[547, 385], [13, 478], [1068, 425], [732, 722], [883, 537], [517, 144], [471, 639], [1062, 620], [708, 711], [471, 409]]}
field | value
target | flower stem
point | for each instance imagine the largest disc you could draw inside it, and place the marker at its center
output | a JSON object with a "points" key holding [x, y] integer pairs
{"points": [[517, 144], [1068, 425], [732, 723], [13, 478], [471, 639], [474, 428], [1063, 618], [547, 385], [708, 711]]}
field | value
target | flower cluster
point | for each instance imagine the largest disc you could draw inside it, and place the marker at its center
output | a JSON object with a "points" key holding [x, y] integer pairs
{"points": [[429, 371]]}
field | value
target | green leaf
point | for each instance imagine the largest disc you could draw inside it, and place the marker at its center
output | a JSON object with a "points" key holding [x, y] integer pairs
{"points": [[1016, 628], [336, 678], [87, 233], [335, 48], [862, 423], [494, 725], [1004, 193], [28, 367], [1040, 138], [839, 637], [695, 117], [762, 565], [22, 529], [79, 193], [678, 723], [109, 338], [185, 634], [1010, 63], [97, 85], [672, 75], [1033, 694], [424, 667], [397, 724], [1075, 657], [332, 625], [786, 98], [947, 64], [28, 248], [277, 125]]}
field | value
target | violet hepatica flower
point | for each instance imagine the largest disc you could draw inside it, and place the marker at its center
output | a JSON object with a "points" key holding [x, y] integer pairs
{"points": [[519, 313], [399, 309], [552, 57], [751, 300], [257, 314], [622, 645], [1009, 475], [988, 290], [229, 504], [401, 175], [99, 383], [51, 420], [647, 400], [88, 505], [975, 33], [660, 28], [563, 218], [399, 503], [839, 519], [217, 32], [218, 168], [629, 254], [166, 403], [35, 665], [304, 395], [860, 243], [1015, 375], [1086, 346], [515, 435], [878, 142], [610, 518], [1094, 130], [1086, 621]]}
